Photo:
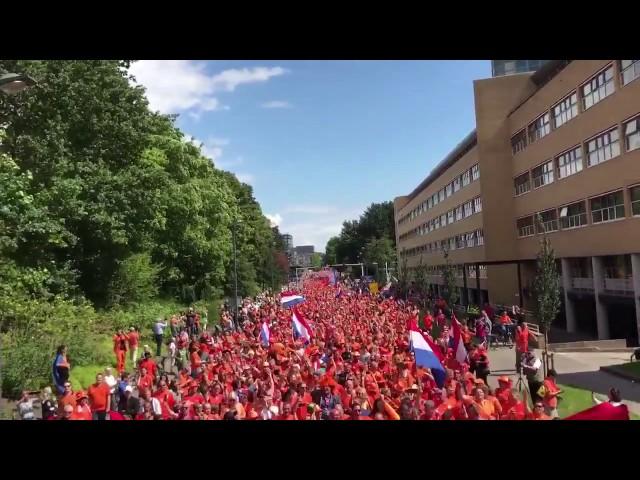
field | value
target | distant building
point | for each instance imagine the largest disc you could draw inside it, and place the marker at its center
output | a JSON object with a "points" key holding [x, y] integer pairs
{"points": [[288, 242], [302, 255], [509, 67]]}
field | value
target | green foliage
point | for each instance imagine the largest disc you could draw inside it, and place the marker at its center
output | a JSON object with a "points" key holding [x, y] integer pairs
{"points": [[403, 275], [135, 280], [547, 285], [450, 291], [420, 278], [316, 260]]}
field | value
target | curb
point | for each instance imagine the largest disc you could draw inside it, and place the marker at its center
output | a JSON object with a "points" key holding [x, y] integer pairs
{"points": [[620, 373]]}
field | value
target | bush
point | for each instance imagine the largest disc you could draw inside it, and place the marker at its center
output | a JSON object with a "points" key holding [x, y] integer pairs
{"points": [[135, 281]]}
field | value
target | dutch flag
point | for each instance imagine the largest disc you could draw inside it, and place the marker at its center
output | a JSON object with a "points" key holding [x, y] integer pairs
{"points": [[265, 334], [290, 299], [427, 355], [458, 344], [301, 328]]}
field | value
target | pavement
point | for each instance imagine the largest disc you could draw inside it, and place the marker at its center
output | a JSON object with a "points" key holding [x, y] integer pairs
{"points": [[578, 369]]}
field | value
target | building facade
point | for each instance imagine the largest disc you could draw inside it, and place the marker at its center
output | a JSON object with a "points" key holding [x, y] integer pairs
{"points": [[510, 67], [556, 152], [303, 255], [287, 238]]}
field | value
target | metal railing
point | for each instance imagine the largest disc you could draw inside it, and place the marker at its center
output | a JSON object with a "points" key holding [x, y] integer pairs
{"points": [[606, 214], [550, 225], [582, 283], [573, 221], [526, 231], [618, 284], [523, 188]]}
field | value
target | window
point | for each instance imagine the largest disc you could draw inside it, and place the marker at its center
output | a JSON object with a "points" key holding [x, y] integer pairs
{"points": [[466, 178], [565, 110], [598, 88], [436, 223], [479, 237], [448, 190], [634, 193], [539, 128], [630, 70], [525, 226], [549, 220], [443, 219], [468, 209], [452, 243], [632, 134], [429, 203], [570, 162], [450, 218], [460, 241], [602, 148], [456, 184], [441, 195], [471, 239], [477, 204], [434, 199], [522, 184], [542, 175], [518, 142], [573, 216], [607, 207], [458, 213], [475, 172]]}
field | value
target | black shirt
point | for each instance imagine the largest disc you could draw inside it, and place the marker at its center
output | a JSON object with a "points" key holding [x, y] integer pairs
{"points": [[48, 410]]}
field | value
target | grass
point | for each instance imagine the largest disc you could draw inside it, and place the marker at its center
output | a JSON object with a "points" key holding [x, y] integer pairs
{"points": [[632, 368], [575, 400], [84, 375]]}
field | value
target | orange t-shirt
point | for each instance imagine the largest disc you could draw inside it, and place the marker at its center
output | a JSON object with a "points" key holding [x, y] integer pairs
{"points": [[98, 396], [67, 400], [82, 413]]}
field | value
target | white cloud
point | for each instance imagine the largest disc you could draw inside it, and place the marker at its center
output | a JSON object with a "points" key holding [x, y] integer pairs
{"points": [[275, 219], [247, 178], [276, 104], [211, 148], [175, 86]]}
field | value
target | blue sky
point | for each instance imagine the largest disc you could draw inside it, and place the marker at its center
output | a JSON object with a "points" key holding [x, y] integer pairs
{"points": [[319, 140]]}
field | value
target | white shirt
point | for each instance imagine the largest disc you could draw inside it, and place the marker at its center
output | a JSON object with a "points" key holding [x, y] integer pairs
{"points": [[111, 381]]}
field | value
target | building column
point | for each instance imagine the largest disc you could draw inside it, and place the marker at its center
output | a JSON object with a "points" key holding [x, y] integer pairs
{"points": [[569, 311], [635, 268], [601, 309]]}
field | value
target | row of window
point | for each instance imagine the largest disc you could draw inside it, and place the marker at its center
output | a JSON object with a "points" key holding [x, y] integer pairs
{"points": [[457, 184], [466, 240], [597, 150], [591, 92], [604, 208], [437, 270], [454, 215]]}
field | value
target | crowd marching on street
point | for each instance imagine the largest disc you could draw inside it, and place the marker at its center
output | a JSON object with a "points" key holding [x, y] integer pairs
{"points": [[330, 351]]}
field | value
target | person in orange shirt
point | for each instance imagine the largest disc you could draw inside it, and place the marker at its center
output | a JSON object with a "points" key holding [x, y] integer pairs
{"points": [[538, 412], [120, 349], [551, 392], [82, 410], [99, 398], [522, 342], [133, 339], [503, 393], [67, 398], [483, 405]]}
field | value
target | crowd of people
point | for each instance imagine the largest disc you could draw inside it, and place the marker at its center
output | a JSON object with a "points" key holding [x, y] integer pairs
{"points": [[357, 365]]}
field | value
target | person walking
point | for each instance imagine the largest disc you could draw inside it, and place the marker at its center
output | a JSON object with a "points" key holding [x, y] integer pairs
{"points": [[522, 342], [133, 338], [158, 334], [99, 395]]}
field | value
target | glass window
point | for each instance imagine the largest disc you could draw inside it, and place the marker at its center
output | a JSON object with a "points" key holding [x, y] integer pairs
{"points": [[542, 175], [630, 70], [603, 147], [434, 199], [443, 219], [452, 243], [460, 241], [598, 88], [475, 172], [458, 213], [450, 217], [570, 162], [468, 209], [477, 204], [539, 128], [573, 216], [466, 178], [436, 223], [522, 184], [525, 226], [471, 239], [480, 237], [441, 195], [607, 207], [549, 220], [448, 190], [456, 184], [632, 134], [635, 200], [518, 142], [565, 110]]}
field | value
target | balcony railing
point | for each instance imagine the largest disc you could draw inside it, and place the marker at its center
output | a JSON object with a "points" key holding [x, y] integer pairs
{"points": [[618, 284], [573, 221], [582, 283]]}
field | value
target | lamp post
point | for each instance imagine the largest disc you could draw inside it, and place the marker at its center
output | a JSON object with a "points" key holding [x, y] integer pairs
{"points": [[235, 270], [10, 84]]}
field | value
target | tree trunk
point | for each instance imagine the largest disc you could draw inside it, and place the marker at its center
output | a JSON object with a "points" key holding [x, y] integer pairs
{"points": [[546, 351]]}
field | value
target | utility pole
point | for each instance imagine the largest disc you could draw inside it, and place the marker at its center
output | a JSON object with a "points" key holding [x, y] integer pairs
{"points": [[235, 271]]}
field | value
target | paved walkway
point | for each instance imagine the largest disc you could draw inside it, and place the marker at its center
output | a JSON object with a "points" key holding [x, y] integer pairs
{"points": [[581, 369]]}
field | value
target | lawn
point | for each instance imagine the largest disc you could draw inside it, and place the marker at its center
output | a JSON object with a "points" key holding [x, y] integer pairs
{"points": [[575, 400], [632, 368]]}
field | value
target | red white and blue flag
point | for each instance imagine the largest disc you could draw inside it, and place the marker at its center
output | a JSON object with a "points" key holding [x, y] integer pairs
{"points": [[265, 334], [290, 299], [427, 355], [301, 328], [458, 344]]}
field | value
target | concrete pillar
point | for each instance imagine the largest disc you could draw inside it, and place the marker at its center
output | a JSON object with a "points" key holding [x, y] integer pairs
{"points": [[635, 268], [569, 312], [598, 287]]}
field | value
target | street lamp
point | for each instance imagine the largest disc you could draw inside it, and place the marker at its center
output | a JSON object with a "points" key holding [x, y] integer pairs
{"points": [[12, 83], [235, 269]]}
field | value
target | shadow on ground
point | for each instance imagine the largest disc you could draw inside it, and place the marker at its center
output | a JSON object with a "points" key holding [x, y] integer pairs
{"points": [[600, 382]]}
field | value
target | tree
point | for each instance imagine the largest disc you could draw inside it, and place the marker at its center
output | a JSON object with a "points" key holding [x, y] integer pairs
{"points": [[449, 277], [331, 255], [546, 286], [135, 280], [403, 275], [379, 251], [316, 260], [421, 272]]}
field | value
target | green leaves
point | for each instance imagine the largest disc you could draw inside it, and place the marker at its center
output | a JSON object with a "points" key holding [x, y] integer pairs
{"points": [[547, 284]]}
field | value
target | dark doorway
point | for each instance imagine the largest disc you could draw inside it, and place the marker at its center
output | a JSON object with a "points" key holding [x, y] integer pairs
{"points": [[585, 312], [622, 323]]}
